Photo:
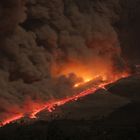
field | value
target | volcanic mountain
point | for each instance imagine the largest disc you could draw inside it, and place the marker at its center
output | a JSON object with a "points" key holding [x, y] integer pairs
{"points": [[128, 88], [96, 116], [90, 107]]}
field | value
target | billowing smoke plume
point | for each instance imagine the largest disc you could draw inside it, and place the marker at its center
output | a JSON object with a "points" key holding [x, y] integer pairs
{"points": [[44, 43]]}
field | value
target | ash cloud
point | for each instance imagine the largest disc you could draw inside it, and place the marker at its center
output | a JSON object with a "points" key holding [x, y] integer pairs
{"points": [[39, 35]]}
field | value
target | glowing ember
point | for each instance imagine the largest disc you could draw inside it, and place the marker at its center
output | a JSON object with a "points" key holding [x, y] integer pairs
{"points": [[51, 105]]}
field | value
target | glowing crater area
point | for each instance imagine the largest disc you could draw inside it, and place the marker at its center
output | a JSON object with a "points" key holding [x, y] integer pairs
{"points": [[50, 106]]}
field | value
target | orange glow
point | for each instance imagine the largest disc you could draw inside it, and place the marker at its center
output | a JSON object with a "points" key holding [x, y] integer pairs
{"points": [[51, 105], [79, 69], [85, 73], [12, 119], [85, 80]]}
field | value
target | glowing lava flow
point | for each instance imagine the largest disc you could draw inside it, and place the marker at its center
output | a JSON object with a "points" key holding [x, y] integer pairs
{"points": [[51, 105], [82, 83], [11, 119]]}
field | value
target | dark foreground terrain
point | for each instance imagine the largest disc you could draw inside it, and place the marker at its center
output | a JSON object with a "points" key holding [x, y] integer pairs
{"points": [[122, 124]]}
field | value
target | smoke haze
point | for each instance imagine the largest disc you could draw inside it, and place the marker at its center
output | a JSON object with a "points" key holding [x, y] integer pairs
{"points": [[44, 44]]}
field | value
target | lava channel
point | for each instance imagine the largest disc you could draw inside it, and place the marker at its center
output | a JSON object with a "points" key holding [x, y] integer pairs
{"points": [[51, 105]]}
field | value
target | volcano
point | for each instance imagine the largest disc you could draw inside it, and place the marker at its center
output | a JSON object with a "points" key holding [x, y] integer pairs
{"points": [[51, 105], [69, 63], [102, 111]]}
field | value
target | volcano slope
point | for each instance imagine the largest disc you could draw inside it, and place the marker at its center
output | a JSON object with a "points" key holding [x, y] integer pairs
{"points": [[128, 88], [117, 117], [91, 107]]}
